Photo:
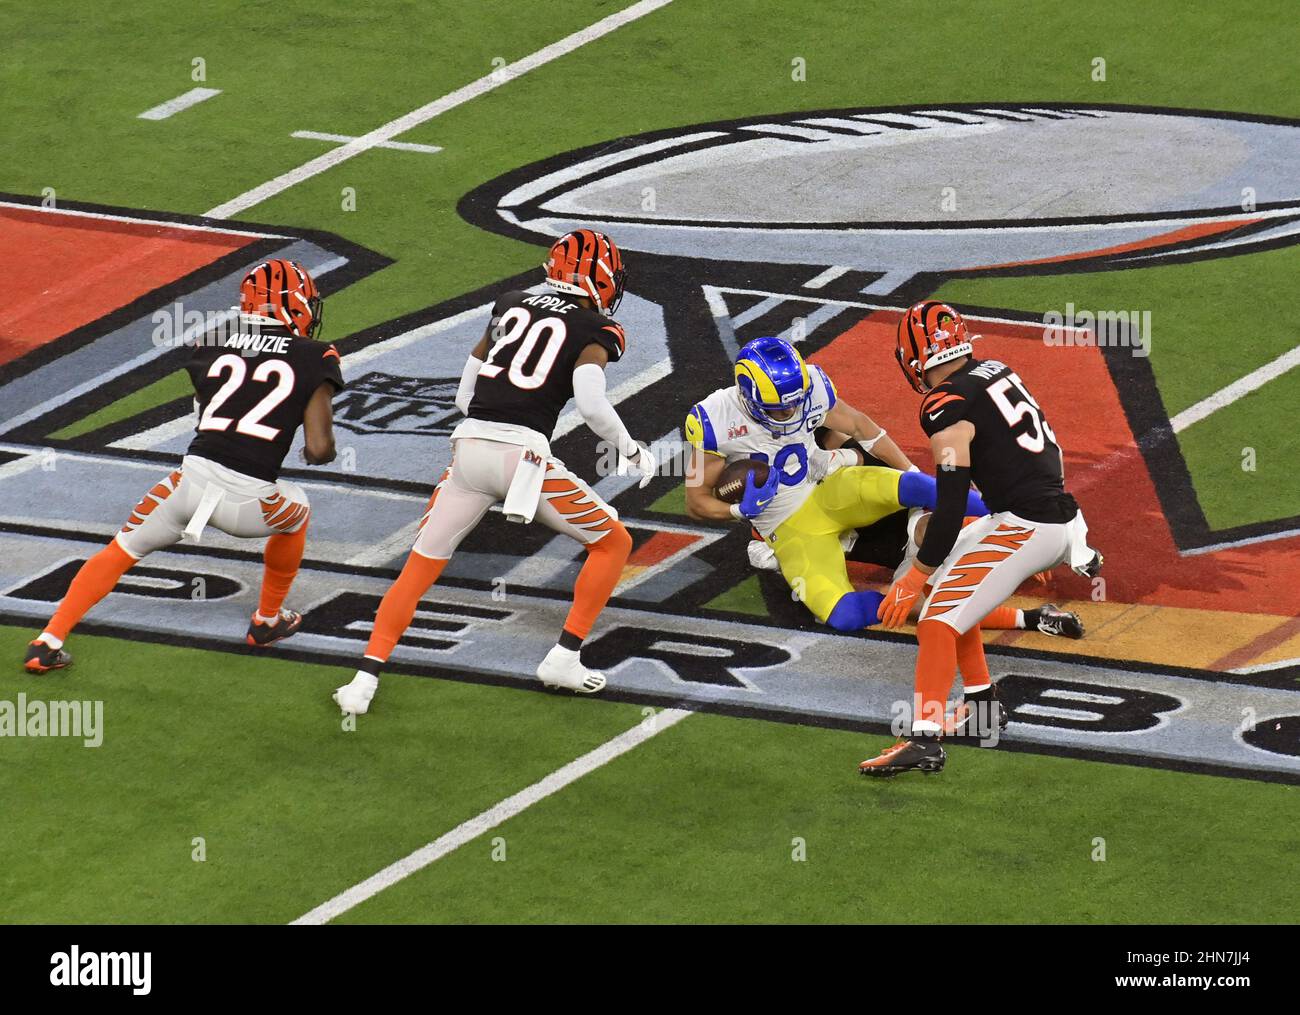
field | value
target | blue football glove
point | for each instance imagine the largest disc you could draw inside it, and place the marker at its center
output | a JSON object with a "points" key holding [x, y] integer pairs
{"points": [[757, 498]]}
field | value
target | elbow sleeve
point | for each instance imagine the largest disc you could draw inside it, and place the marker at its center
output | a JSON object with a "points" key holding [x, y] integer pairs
{"points": [[945, 523], [593, 405]]}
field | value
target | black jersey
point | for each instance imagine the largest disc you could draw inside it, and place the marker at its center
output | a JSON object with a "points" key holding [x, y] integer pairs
{"points": [[534, 343], [252, 391], [1014, 458]]}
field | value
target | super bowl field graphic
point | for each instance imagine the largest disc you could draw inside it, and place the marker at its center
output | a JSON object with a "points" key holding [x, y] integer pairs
{"points": [[1129, 250]]}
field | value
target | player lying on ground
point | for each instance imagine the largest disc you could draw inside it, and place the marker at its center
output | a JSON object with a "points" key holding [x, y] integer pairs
{"points": [[537, 352], [984, 426], [894, 542], [809, 496], [253, 389]]}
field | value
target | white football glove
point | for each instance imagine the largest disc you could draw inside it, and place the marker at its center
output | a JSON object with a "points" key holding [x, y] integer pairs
{"points": [[824, 463], [642, 463]]}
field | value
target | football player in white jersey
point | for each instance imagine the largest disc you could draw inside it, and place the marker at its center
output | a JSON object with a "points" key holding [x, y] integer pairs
{"points": [[811, 495]]}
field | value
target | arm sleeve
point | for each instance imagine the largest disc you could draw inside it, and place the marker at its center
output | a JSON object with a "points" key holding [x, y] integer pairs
{"points": [[945, 524], [589, 393], [468, 377]]}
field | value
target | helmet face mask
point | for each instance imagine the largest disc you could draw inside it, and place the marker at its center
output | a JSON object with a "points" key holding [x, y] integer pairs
{"points": [[773, 384]]}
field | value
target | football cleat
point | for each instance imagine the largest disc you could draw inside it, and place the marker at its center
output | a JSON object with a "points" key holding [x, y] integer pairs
{"points": [[41, 658], [354, 697], [563, 668], [973, 719], [261, 635], [1051, 619], [762, 556], [1092, 568], [920, 754]]}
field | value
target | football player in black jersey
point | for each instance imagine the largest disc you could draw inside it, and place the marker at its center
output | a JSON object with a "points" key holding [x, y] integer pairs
{"points": [[984, 426], [538, 351], [253, 389], [894, 541]]}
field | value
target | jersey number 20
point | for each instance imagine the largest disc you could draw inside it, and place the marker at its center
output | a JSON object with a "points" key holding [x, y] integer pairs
{"points": [[512, 327]]}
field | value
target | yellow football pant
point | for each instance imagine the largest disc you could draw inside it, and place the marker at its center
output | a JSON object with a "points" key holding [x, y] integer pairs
{"points": [[807, 544]]}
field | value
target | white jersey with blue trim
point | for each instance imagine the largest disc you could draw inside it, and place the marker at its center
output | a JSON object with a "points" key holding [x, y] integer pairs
{"points": [[719, 425]]}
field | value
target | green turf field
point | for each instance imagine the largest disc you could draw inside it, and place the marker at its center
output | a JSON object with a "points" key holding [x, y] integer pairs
{"points": [[703, 822]]}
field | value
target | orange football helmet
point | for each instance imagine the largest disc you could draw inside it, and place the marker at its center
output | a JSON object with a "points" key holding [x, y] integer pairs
{"points": [[930, 333], [281, 292], [587, 263]]}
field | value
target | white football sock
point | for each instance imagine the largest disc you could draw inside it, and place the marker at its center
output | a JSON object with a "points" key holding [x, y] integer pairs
{"points": [[50, 640]]}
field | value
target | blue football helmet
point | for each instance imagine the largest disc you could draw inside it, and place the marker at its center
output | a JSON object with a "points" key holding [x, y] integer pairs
{"points": [[771, 377]]}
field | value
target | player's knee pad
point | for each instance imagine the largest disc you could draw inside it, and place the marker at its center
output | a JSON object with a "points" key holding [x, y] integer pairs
{"points": [[855, 610]]}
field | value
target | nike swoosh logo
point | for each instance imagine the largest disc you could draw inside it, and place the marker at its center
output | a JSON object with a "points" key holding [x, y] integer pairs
{"points": [[935, 415]]}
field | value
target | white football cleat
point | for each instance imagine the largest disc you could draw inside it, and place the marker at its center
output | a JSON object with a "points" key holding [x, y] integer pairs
{"points": [[762, 556], [354, 698], [563, 667]]}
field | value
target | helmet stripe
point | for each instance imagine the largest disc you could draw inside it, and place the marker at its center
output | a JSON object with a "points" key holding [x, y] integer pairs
{"points": [[763, 386]]}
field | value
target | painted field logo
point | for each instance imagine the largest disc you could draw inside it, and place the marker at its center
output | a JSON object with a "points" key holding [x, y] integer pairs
{"points": [[907, 191]]}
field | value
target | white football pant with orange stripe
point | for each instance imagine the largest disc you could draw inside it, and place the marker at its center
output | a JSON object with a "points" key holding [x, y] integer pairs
{"points": [[480, 475], [989, 561], [237, 504]]}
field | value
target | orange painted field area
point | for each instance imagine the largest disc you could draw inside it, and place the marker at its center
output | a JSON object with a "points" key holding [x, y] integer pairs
{"points": [[1219, 610], [62, 271]]}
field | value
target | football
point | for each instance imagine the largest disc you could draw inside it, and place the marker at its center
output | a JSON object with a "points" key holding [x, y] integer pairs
{"points": [[731, 484]]}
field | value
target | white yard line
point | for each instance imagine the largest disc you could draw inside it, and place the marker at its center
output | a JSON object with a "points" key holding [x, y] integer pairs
{"points": [[1237, 389], [159, 223], [493, 816], [829, 275], [401, 146], [437, 107], [173, 106]]}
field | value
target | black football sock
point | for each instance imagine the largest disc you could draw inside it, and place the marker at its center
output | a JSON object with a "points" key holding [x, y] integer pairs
{"points": [[570, 641]]}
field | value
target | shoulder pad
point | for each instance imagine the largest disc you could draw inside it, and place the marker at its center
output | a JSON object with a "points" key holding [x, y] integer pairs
{"points": [[698, 429], [941, 408], [832, 395]]}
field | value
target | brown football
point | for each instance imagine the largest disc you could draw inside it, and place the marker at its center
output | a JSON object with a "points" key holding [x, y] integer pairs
{"points": [[731, 484]]}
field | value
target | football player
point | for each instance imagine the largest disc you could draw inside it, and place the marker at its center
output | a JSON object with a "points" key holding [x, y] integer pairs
{"points": [[894, 541], [811, 496], [538, 351], [253, 389], [984, 426]]}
